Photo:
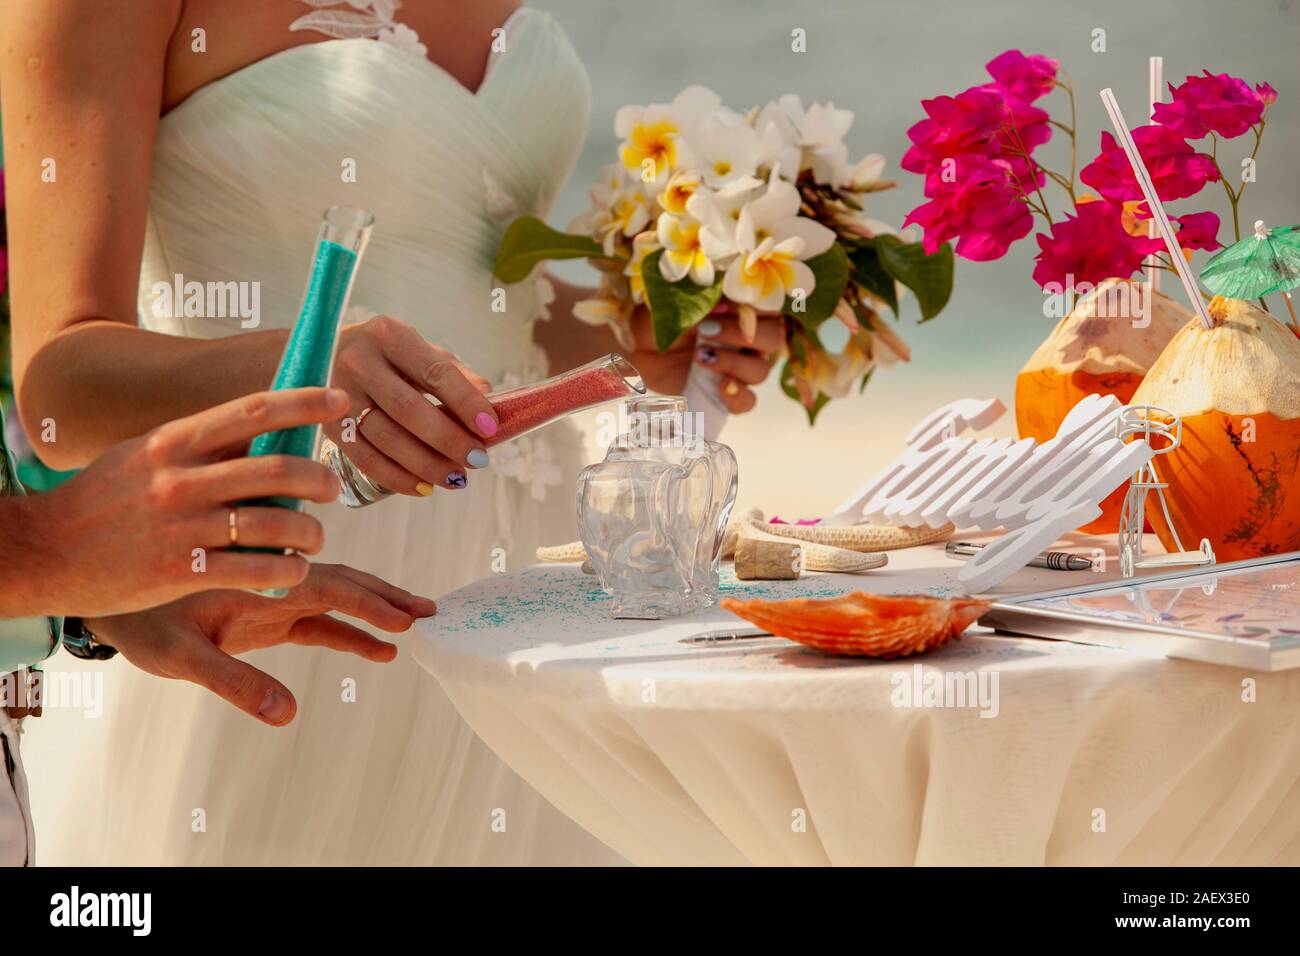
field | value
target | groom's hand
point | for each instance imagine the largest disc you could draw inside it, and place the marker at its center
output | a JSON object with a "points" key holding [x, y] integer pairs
{"points": [[149, 520], [194, 638]]}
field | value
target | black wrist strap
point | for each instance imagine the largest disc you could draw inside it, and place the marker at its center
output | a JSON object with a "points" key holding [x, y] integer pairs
{"points": [[81, 643]]}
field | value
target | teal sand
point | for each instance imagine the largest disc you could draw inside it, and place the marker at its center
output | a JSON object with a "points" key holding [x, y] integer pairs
{"points": [[309, 354]]}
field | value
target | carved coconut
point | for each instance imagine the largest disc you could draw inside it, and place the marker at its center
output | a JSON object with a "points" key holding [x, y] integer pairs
{"points": [[1236, 388], [1096, 348]]}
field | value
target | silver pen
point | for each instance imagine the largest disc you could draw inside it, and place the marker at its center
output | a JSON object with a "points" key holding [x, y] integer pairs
{"points": [[1052, 560]]}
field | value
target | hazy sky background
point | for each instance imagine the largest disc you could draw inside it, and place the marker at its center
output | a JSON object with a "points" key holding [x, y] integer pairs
{"points": [[880, 60]]}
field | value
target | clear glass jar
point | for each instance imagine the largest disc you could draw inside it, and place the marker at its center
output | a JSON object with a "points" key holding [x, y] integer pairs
{"points": [[519, 411], [653, 513]]}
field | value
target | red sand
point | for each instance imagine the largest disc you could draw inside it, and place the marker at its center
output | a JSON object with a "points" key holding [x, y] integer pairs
{"points": [[524, 408]]}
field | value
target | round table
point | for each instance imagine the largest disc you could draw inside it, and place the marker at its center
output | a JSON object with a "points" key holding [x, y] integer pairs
{"points": [[990, 750]]}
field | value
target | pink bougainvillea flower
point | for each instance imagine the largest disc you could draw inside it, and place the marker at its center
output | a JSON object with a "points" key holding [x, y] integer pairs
{"points": [[1091, 246], [1023, 131], [1198, 230], [1023, 78], [1177, 170], [978, 121], [1213, 103], [1267, 94], [979, 205], [967, 123]]}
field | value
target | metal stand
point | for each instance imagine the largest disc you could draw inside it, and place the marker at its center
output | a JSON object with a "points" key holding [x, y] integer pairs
{"points": [[1139, 421]]}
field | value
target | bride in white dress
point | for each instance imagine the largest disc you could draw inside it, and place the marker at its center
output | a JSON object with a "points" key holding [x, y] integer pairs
{"points": [[377, 767]]}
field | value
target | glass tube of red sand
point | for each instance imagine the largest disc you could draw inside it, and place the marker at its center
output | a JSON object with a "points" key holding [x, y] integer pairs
{"points": [[519, 411]]}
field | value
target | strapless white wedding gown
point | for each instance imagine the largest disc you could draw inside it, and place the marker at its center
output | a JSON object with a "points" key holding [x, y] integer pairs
{"points": [[243, 171]]}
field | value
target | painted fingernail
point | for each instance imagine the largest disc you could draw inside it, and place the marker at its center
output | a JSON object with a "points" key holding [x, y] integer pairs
{"points": [[710, 327], [706, 355], [456, 479], [477, 458], [275, 707], [732, 388], [486, 424], [424, 488]]}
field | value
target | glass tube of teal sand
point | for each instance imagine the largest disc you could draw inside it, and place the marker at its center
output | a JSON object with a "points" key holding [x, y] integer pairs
{"points": [[308, 357]]}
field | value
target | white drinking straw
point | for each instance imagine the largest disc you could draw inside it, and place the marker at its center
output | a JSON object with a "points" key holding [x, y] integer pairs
{"points": [[1155, 93], [1157, 208]]}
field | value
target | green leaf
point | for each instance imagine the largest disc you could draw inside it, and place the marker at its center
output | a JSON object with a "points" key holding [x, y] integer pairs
{"points": [[675, 306], [831, 270], [871, 275], [529, 241], [929, 277]]}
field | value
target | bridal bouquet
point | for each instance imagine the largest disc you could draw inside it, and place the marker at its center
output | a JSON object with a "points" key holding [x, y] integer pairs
{"points": [[762, 210]]}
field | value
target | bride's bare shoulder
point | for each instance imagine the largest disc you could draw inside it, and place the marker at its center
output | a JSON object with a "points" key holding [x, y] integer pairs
{"points": [[214, 38]]}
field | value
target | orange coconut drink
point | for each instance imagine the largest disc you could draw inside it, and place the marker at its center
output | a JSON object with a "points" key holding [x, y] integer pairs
{"points": [[1236, 388], [1105, 345]]}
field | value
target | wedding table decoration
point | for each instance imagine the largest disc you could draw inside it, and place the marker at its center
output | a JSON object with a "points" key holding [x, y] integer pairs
{"points": [[652, 515], [1223, 375], [989, 750], [981, 155], [759, 212], [1268, 261]]}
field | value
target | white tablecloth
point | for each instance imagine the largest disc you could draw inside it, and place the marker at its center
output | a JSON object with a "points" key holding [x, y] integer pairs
{"points": [[769, 753]]}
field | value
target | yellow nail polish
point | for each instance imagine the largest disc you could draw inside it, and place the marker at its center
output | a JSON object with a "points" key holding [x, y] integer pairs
{"points": [[732, 389], [424, 488]]}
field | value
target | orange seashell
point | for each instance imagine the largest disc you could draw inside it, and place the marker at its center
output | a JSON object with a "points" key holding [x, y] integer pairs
{"points": [[870, 625]]}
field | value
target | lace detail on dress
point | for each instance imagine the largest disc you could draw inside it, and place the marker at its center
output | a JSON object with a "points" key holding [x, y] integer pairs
{"points": [[367, 18]]}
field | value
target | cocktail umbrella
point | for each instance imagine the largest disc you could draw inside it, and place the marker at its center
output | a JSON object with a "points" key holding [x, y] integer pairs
{"points": [[1268, 261]]}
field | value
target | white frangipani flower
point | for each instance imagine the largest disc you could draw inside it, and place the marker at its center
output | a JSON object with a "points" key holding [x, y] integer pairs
{"points": [[627, 214], [798, 139], [692, 103], [775, 215], [683, 252], [644, 244], [608, 184], [764, 277], [866, 174], [726, 150], [679, 190], [718, 213], [654, 144], [773, 240]]}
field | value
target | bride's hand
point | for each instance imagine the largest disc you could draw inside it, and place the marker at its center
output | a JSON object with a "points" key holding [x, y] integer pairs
{"points": [[405, 442], [717, 344]]}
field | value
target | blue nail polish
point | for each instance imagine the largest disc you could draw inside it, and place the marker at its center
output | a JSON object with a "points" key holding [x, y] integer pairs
{"points": [[477, 458], [455, 479], [710, 327], [707, 356]]}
